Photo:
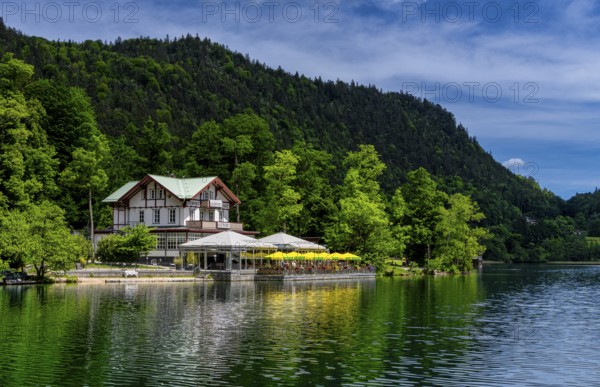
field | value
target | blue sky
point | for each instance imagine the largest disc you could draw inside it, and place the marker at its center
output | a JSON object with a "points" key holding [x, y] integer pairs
{"points": [[521, 76]]}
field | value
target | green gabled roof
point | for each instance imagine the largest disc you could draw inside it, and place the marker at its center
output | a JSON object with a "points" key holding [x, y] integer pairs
{"points": [[115, 196], [183, 188]]}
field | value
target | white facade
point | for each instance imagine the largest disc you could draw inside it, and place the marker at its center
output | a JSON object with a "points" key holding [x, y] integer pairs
{"points": [[178, 210], [156, 207]]}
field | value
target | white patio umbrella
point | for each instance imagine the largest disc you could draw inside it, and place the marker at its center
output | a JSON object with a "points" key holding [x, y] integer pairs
{"points": [[226, 242], [288, 242]]}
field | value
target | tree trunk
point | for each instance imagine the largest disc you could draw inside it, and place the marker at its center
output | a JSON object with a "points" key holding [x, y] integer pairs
{"points": [[40, 271], [237, 190], [91, 225]]}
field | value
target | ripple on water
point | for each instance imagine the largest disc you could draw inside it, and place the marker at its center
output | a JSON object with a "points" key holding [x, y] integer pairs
{"points": [[531, 326]]}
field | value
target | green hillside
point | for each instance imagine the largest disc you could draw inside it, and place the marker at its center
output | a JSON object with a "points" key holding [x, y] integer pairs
{"points": [[166, 105]]}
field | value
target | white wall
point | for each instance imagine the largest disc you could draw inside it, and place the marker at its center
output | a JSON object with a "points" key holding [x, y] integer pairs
{"points": [[131, 215]]}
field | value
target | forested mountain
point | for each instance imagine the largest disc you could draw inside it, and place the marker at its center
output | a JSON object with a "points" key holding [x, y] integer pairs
{"points": [[189, 106]]}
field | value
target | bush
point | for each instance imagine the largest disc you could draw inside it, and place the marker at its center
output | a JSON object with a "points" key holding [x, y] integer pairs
{"points": [[178, 262]]}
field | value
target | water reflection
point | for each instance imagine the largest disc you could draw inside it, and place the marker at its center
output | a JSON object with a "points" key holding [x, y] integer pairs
{"points": [[503, 326]]}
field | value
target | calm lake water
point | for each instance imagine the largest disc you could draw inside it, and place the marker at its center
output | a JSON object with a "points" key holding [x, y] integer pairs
{"points": [[519, 325]]}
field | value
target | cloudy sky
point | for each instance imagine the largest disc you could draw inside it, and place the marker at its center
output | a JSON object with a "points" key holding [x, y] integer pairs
{"points": [[521, 76]]}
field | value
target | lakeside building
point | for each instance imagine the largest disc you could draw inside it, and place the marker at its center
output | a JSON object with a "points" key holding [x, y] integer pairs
{"points": [[179, 210]]}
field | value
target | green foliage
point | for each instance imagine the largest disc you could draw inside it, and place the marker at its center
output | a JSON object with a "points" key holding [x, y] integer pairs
{"points": [[400, 230], [154, 147], [457, 240], [27, 166], [424, 210], [138, 241], [191, 106], [109, 249], [438, 229], [236, 150], [38, 236], [282, 200], [594, 227], [361, 223], [192, 258], [313, 183], [86, 172], [128, 245]]}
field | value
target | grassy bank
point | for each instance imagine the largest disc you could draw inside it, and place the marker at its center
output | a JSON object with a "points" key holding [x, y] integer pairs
{"points": [[397, 268]]}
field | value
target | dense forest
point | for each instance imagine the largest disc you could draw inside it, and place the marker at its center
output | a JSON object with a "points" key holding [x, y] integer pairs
{"points": [[100, 114]]}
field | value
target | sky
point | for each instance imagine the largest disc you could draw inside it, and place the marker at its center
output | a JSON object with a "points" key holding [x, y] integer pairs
{"points": [[522, 76]]}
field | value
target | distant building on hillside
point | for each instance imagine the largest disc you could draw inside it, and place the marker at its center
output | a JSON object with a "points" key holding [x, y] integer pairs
{"points": [[180, 210]]}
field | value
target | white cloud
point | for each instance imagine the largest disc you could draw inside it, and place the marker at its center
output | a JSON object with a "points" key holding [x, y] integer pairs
{"points": [[556, 54], [514, 162]]}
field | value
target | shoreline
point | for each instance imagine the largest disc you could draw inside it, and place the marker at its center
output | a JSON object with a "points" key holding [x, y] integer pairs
{"points": [[590, 263], [119, 280]]}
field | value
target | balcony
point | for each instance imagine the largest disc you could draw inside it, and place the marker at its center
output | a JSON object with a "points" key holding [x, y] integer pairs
{"points": [[211, 204], [210, 225], [218, 204]]}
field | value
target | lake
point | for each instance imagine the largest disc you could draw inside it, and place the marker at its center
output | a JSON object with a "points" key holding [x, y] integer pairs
{"points": [[517, 325]]}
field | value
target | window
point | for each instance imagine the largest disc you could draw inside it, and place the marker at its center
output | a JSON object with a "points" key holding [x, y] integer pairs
{"points": [[172, 215], [156, 219], [211, 216], [144, 195], [152, 194], [192, 214], [161, 193], [224, 215], [208, 195], [201, 215], [194, 236], [161, 242], [174, 240], [141, 216]]}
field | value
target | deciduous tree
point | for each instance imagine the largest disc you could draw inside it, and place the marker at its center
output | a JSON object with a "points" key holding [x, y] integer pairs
{"points": [[361, 224], [283, 203], [86, 172], [458, 240], [38, 236], [424, 207]]}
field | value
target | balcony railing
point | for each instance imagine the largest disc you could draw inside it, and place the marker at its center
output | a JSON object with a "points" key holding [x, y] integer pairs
{"points": [[208, 204], [210, 225], [211, 203]]}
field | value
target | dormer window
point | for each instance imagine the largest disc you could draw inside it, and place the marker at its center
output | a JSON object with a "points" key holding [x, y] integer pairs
{"points": [[208, 195]]}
